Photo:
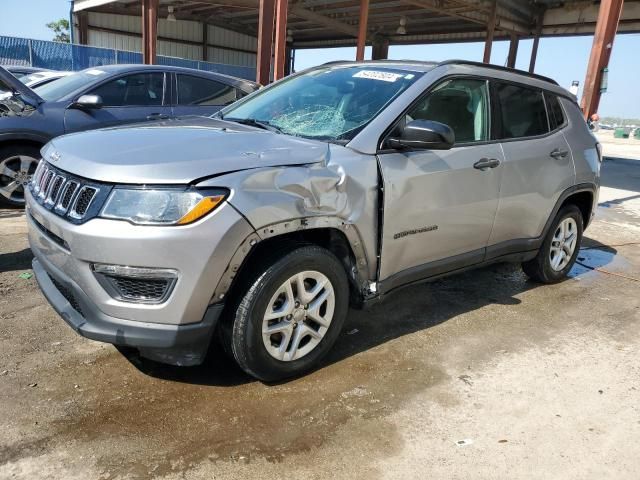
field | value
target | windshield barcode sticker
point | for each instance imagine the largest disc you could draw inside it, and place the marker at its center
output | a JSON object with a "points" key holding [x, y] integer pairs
{"points": [[377, 75]]}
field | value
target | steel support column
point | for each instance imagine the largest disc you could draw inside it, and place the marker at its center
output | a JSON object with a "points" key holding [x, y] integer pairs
{"points": [[606, 26], [491, 26], [205, 41], [513, 51], [265, 41], [280, 50], [83, 28], [362, 29], [536, 41], [149, 31], [288, 65]]}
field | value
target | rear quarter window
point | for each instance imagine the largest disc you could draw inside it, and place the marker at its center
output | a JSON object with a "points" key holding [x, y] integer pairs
{"points": [[522, 111], [202, 91], [556, 114]]}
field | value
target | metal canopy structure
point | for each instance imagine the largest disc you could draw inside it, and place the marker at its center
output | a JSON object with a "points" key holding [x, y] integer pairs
{"points": [[282, 26], [325, 23]]}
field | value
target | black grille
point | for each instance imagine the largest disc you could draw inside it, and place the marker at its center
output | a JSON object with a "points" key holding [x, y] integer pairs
{"points": [[55, 190], [68, 194], [84, 200], [68, 295], [141, 288]]}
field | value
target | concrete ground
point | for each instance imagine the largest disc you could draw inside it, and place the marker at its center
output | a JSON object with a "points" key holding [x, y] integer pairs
{"points": [[482, 375], [618, 147]]}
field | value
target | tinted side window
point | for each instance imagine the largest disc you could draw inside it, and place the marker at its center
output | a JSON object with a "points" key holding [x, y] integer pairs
{"points": [[462, 104], [522, 110], [556, 115], [202, 91], [140, 89]]}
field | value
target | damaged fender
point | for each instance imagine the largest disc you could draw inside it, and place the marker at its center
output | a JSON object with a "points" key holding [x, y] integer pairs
{"points": [[339, 192]]}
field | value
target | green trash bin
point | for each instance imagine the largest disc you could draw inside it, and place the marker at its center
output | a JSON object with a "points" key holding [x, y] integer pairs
{"points": [[636, 135], [620, 132]]}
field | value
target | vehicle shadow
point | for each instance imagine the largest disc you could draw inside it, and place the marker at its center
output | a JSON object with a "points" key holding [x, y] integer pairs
{"points": [[408, 310], [621, 173], [16, 260]]}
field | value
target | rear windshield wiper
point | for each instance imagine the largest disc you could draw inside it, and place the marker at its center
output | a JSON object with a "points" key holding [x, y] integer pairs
{"points": [[252, 122]]}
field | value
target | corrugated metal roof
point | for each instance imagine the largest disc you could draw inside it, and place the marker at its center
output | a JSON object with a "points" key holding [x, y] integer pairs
{"points": [[317, 23]]}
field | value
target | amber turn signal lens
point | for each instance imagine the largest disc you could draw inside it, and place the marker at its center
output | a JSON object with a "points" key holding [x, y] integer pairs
{"points": [[204, 206]]}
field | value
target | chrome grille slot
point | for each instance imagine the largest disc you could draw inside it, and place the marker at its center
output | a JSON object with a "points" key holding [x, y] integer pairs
{"points": [[74, 198], [56, 186], [66, 196], [44, 183], [35, 180], [41, 176], [83, 202]]}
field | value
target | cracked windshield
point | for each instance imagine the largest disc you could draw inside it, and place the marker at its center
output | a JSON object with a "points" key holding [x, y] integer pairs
{"points": [[331, 104]]}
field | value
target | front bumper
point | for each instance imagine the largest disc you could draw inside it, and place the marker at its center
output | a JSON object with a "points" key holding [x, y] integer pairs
{"points": [[174, 344], [176, 331]]}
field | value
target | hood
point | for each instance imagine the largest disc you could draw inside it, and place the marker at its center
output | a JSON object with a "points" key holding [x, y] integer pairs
{"points": [[177, 151], [10, 83]]}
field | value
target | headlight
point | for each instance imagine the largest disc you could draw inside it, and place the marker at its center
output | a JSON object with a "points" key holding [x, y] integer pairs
{"points": [[161, 207]]}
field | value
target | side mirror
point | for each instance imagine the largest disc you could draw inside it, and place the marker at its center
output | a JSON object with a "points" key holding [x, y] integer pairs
{"points": [[88, 102], [424, 135]]}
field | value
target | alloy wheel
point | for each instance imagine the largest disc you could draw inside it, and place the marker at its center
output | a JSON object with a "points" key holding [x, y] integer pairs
{"points": [[563, 244], [15, 173], [298, 316]]}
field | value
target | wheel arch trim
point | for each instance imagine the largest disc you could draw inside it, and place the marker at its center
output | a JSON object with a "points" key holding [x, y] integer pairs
{"points": [[279, 229], [15, 137], [564, 196]]}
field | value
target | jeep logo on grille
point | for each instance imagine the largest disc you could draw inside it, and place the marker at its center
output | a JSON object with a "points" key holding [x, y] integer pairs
{"points": [[55, 156]]}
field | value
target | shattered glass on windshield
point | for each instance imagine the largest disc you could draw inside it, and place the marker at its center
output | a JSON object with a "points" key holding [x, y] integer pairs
{"points": [[332, 103]]}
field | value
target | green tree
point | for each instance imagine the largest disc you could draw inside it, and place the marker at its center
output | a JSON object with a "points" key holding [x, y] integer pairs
{"points": [[61, 30]]}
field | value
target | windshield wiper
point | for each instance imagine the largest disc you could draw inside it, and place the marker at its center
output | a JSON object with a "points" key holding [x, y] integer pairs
{"points": [[252, 122]]}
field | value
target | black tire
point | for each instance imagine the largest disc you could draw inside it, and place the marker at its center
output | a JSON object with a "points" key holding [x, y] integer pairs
{"points": [[15, 198], [242, 329], [540, 268]]}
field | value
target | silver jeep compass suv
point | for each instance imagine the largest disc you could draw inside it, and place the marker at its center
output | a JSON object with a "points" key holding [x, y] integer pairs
{"points": [[260, 226]]}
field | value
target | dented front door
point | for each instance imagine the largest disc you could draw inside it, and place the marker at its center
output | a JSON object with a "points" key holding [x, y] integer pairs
{"points": [[437, 205]]}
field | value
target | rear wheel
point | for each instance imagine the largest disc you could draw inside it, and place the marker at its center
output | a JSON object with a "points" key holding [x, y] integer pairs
{"points": [[290, 314], [560, 248], [17, 165]]}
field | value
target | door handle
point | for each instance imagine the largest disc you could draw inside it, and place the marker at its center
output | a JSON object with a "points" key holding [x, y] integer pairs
{"points": [[485, 163], [557, 153], [157, 116]]}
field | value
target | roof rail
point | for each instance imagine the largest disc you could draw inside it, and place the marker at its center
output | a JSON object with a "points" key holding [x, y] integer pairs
{"points": [[498, 67], [382, 60]]}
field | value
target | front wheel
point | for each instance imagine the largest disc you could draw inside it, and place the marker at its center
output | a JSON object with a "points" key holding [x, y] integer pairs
{"points": [[17, 165], [290, 315], [560, 248]]}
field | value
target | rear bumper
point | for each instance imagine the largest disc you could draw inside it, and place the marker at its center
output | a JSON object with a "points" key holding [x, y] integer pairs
{"points": [[173, 344]]}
